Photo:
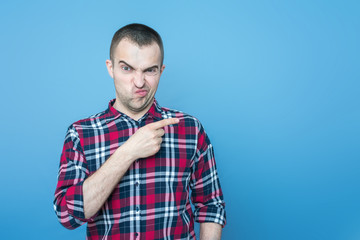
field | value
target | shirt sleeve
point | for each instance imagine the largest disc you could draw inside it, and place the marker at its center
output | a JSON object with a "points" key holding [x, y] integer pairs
{"points": [[206, 195], [68, 203]]}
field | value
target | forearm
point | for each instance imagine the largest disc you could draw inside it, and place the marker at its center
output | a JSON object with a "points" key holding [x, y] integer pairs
{"points": [[210, 231], [98, 187]]}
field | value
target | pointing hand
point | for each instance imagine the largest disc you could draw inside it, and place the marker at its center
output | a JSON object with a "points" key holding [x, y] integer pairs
{"points": [[147, 140]]}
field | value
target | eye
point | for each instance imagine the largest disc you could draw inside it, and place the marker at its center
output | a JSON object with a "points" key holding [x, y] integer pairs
{"points": [[151, 71], [126, 68]]}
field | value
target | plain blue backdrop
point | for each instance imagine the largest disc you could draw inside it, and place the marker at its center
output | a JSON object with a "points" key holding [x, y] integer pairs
{"points": [[275, 83]]}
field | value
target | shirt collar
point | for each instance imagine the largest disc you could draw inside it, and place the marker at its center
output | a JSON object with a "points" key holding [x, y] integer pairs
{"points": [[155, 111]]}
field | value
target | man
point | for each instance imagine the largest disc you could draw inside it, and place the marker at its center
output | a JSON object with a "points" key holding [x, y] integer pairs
{"points": [[128, 170]]}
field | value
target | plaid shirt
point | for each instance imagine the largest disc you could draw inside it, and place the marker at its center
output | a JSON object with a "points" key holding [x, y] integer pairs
{"points": [[151, 201]]}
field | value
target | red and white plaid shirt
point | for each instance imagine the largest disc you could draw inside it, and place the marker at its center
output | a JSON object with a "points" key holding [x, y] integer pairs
{"points": [[152, 199]]}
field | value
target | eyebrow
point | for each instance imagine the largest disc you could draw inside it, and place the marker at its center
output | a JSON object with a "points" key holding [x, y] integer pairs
{"points": [[121, 61], [154, 66]]}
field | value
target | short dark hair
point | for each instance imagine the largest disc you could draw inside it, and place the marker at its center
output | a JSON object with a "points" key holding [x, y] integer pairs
{"points": [[137, 33]]}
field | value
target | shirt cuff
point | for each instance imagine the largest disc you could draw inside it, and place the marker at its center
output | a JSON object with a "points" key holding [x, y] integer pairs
{"points": [[75, 202], [211, 213]]}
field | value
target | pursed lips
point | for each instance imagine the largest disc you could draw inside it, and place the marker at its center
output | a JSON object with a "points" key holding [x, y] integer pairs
{"points": [[141, 92]]}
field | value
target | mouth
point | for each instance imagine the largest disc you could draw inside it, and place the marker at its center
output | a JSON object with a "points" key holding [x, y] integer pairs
{"points": [[141, 93]]}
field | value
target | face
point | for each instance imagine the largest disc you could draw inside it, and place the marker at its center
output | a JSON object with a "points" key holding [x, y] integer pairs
{"points": [[136, 72]]}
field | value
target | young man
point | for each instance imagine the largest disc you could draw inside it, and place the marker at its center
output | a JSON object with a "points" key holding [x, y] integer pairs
{"points": [[128, 170]]}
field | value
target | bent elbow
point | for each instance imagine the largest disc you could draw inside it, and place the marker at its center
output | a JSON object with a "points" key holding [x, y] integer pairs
{"points": [[70, 222], [67, 220]]}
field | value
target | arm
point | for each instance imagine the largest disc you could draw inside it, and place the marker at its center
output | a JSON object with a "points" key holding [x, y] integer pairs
{"points": [[207, 195], [144, 143], [210, 231], [77, 199], [72, 172]]}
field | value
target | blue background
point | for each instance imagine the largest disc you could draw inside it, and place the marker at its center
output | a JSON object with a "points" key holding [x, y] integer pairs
{"points": [[275, 83]]}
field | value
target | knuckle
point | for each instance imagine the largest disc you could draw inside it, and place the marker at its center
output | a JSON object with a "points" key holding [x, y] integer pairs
{"points": [[153, 135]]}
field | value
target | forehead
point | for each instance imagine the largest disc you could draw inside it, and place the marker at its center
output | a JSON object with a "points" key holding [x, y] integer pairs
{"points": [[131, 52]]}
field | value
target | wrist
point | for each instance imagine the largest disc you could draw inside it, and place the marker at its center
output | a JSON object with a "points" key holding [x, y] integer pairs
{"points": [[124, 155]]}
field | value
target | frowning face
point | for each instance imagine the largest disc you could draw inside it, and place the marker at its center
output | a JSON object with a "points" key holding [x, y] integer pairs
{"points": [[136, 72]]}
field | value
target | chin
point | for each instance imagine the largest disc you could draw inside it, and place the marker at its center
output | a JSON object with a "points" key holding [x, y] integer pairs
{"points": [[141, 103], [138, 107]]}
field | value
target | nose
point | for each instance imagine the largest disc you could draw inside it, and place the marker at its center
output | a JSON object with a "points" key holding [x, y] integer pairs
{"points": [[139, 79]]}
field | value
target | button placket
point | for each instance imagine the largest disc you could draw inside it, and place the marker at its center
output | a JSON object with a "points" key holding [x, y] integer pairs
{"points": [[136, 191]]}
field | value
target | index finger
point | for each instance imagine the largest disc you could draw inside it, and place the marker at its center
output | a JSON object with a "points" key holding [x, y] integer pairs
{"points": [[164, 122]]}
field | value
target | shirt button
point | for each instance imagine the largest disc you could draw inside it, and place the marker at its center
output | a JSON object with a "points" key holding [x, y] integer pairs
{"points": [[136, 234], [136, 184], [137, 209]]}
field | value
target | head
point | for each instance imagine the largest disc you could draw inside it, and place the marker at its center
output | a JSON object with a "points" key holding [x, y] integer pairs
{"points": [[136, 64], [140, 34]]}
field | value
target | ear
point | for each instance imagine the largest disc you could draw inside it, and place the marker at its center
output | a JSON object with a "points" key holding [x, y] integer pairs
{"points": [[109, 67], [162, 69]]}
